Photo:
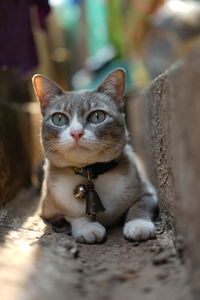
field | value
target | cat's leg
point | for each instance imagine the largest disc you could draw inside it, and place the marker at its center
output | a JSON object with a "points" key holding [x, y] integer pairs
{"points": [[52, 215], [86, 231], [139, 225], [57, 222]]}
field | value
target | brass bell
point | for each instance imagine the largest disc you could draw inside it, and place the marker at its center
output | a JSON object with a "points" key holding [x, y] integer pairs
{"points": [[80, 192], [93, 202]]}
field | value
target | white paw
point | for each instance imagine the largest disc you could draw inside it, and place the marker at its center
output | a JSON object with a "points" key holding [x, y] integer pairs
{"points": [[89, 233], [139, 230]]}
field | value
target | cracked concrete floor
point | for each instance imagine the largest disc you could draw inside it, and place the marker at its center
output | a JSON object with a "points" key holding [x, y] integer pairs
{"points": [[39, 264]]}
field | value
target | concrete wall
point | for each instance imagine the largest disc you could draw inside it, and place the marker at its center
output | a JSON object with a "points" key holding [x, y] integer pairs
{"points": [[166, 132]]}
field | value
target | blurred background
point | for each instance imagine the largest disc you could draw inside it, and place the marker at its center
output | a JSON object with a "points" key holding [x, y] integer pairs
{"points": [[77, 42]]}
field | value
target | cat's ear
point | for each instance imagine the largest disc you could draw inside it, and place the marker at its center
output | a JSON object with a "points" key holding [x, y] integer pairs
{"points": [[114, 85], [45, 90]]}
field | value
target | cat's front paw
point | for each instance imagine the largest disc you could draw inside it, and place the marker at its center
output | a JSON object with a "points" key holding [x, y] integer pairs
{"points": [[139, 230], [89, 233]]}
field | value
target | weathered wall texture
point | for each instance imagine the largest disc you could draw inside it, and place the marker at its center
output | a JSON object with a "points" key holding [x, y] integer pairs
{"points": [[150, 117], [16, 150], [166, 126]]}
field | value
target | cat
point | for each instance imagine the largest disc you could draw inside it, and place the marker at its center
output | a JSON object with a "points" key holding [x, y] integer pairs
{"points": [[87, 128]]}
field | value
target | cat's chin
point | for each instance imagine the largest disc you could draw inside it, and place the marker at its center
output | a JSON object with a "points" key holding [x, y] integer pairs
{"points": [[78, 147], [78, 157], [73, 156]]}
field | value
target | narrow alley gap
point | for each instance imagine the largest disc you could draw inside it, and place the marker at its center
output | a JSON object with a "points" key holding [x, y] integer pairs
{"points": [[37, 263]]}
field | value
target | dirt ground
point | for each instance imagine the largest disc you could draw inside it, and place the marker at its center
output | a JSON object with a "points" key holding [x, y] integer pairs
{"points": [[39, 264]]}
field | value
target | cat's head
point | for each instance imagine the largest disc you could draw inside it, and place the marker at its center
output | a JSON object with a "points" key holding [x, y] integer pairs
{"points": [[85, 127]]}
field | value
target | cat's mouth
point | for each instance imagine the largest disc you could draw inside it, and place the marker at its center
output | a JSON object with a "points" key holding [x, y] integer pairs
{"points": [[78, 146]]}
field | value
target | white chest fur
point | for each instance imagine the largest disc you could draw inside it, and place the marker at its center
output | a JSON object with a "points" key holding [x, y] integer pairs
{"points": [[62, 190], [112, 187]]}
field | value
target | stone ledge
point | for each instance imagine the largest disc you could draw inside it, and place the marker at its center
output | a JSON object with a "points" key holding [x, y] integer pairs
{"points": [[165, 129]]}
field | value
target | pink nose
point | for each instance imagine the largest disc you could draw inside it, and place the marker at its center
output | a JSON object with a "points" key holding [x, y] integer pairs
{"points": [[77, 134]]}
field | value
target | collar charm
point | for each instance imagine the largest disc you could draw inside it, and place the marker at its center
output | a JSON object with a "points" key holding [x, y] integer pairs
{"points": [[93, 201], [87, 191], [80, 192]]}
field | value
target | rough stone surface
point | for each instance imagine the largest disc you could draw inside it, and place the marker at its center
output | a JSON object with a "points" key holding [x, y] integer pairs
{"points": [[37, 263], [15, 151], [168, 118]]}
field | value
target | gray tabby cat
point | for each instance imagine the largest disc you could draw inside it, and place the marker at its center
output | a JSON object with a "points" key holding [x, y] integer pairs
{"points": [[84, 128]]}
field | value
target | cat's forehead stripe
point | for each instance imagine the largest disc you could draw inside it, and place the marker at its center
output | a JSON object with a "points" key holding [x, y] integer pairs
{"points": [[81, 103], [75, 124], [76, 101]]}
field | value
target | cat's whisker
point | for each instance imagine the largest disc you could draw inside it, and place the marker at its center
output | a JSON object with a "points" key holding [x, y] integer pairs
{"points": [[87, 142], [51, 147]]}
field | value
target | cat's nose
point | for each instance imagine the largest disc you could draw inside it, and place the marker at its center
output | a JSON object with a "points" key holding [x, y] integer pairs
{"points": [[77, 134]]}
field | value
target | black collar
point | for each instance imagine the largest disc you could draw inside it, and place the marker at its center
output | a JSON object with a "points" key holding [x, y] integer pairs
{"points": [[94, 170]]}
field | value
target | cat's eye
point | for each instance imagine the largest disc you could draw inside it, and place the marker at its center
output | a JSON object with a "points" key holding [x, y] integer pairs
{"points": [[59, 119], [97, 116]]}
